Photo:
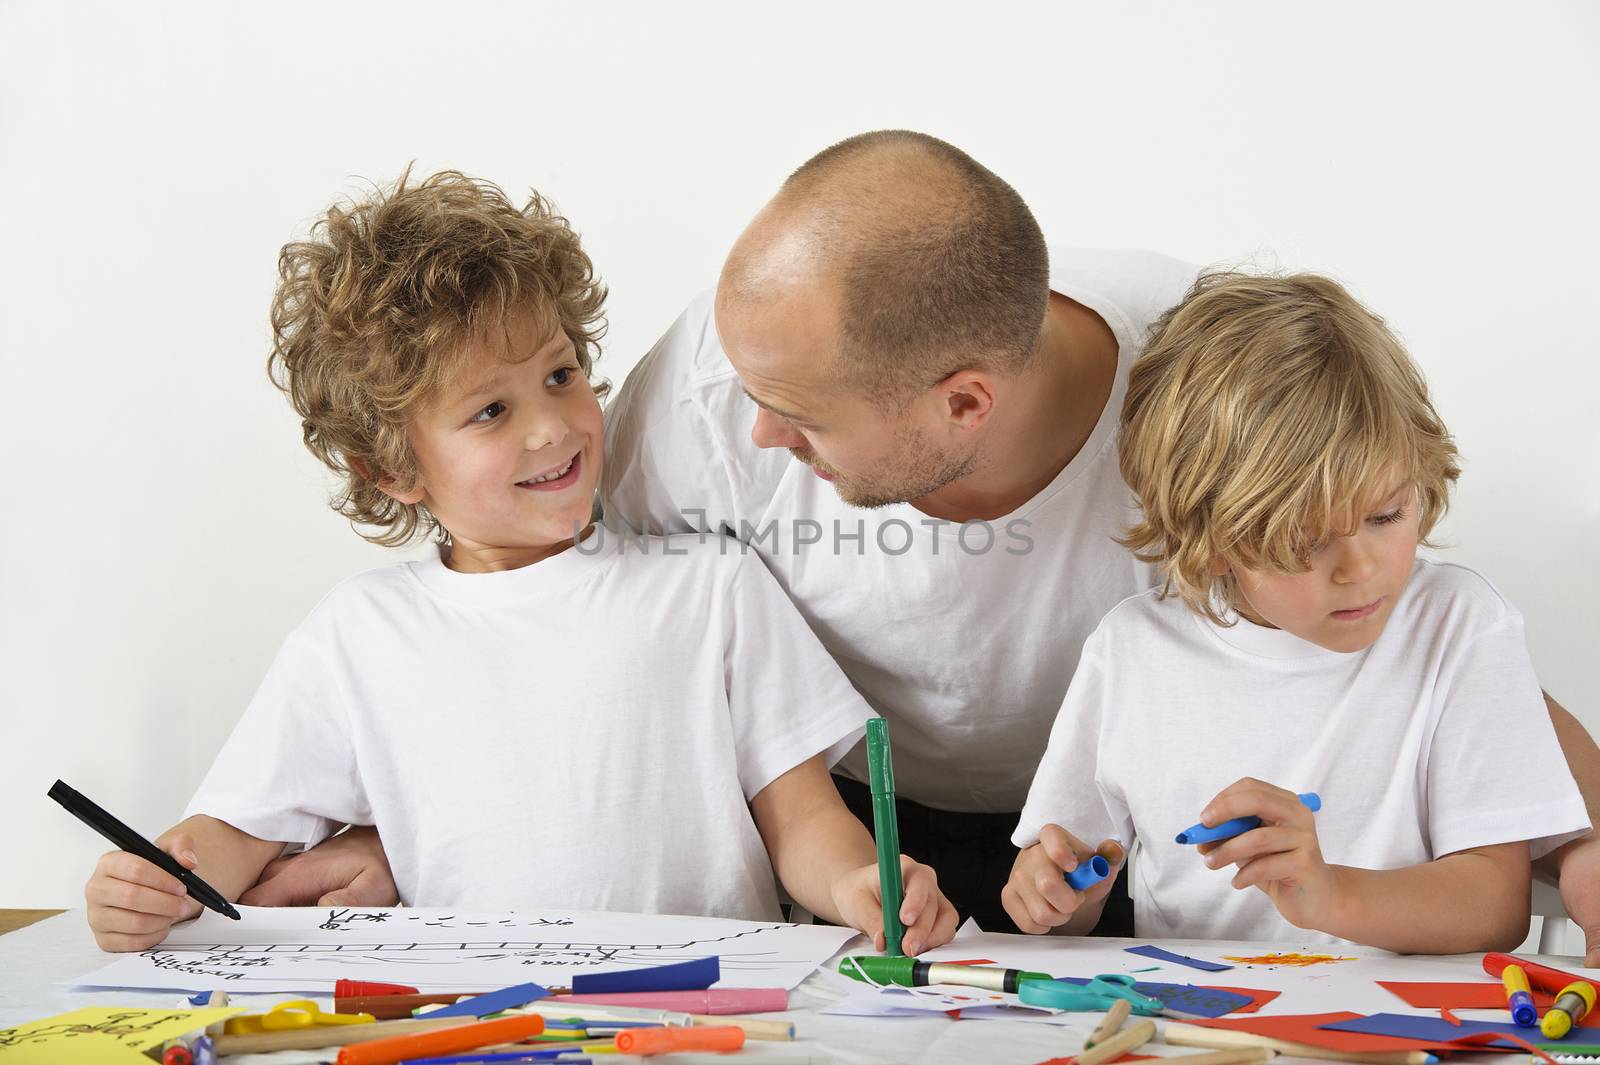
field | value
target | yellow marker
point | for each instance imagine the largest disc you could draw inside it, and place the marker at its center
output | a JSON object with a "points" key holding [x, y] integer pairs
{"points": [[1572, 1005]]}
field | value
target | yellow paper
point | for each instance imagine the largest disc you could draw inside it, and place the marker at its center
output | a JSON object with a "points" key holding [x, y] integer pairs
{"points": [[98, 1034]]}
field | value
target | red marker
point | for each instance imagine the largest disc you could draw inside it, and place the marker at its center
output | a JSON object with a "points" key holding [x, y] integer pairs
{"points": [[1546, 979]]}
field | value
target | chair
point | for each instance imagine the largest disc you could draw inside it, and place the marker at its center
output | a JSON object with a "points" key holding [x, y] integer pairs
{"points": [[1551, 931]]}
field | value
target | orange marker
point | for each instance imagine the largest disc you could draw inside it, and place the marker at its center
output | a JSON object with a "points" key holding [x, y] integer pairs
{"points": [[673, 1040], [443, 1041]]}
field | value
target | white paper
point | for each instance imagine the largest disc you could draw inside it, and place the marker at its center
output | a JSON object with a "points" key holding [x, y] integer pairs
{"points": [[306, 949]]}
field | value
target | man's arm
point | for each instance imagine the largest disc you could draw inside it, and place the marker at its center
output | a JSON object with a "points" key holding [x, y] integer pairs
{"points": [[1576, 865], [349, 869]]}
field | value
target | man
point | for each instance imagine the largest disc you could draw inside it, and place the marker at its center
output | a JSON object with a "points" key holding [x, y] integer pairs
{"points": [[908, 406]]}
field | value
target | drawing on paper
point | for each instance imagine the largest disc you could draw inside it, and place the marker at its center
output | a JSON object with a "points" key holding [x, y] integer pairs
{"points": [[296, 949]]}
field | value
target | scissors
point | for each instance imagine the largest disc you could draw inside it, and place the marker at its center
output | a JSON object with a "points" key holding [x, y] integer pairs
{"points": [[1096, 996], [298, 1013]]}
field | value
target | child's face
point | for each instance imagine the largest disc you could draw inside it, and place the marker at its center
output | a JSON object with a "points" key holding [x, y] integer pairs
{"points": [[1345, 599], [509, 457]]}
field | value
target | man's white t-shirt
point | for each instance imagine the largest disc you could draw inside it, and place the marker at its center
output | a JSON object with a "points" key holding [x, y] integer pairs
{"points": [[964, 637], [1433, 740], [585, 732]]}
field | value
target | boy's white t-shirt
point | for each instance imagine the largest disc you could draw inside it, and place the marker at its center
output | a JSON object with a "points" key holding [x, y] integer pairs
{"points": [[964, 637], [585, 732], [1433, 740]]}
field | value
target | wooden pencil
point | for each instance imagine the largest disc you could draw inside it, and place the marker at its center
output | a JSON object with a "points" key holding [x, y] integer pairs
{"points": [[1193, 1035], [1135, 1035], [1239, 1056], [771, 1031], [1115, 1016]]}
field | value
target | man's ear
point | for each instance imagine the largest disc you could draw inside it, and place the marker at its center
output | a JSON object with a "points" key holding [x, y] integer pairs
{"points": [[386, 485], [967, 398]]}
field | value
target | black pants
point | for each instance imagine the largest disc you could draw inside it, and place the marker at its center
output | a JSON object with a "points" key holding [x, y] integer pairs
{"points": [[972, 853]]}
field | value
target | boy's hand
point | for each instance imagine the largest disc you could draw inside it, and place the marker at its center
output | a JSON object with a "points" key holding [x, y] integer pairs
{"points": [[1282, 857], [1038, 897], [928, 916], [132, 903]]}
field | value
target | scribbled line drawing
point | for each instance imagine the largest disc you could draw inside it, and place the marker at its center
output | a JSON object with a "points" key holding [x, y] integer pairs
{"points": [[344, 920], [117, 1026], [232, 961]]}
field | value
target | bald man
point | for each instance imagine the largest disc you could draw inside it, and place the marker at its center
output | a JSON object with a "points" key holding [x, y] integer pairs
{"points": [[908, 405]]}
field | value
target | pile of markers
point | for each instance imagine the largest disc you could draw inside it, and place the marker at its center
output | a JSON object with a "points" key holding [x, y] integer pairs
{"points": [[387, 1024], [1573, 998]]}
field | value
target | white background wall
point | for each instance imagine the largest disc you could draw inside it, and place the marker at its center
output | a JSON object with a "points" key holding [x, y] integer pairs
{"points": [[161, 528]]}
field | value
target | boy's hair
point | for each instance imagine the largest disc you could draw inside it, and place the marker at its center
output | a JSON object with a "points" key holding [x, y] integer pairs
{"points": [[374, 313], [1265, 414]]}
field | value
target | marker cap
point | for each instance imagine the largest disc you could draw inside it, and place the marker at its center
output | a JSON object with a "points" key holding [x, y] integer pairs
{"points": [[1089, 873]]}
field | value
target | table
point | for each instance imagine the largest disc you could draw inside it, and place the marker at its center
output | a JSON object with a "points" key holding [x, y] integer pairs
{"points": [[11, 920], [36, 962]]}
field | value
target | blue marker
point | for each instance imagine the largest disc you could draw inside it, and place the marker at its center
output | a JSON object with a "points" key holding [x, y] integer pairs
{"points": [[1238, 826], [1089, 873]]}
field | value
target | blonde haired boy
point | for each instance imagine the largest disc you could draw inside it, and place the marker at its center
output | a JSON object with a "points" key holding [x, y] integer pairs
{"points": [[526, 722], [1288, 462]]}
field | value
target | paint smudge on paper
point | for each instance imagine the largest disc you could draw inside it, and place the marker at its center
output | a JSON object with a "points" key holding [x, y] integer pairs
{"points": [[1295, 959]]}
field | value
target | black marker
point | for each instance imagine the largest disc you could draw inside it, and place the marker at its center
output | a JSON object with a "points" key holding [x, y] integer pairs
{"points": [[127, 839]]}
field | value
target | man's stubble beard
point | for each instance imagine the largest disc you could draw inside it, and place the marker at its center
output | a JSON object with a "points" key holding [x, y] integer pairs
{"points": [[919, 470]]}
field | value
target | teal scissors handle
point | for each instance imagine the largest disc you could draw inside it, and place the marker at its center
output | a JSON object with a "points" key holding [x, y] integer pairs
{"points": [[1094, 997], [1060, 995], [1120, 985]]}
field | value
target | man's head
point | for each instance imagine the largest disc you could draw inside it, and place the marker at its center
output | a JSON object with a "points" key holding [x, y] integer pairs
{"points": [[874, 306], [436, 341], [1285, 455]]}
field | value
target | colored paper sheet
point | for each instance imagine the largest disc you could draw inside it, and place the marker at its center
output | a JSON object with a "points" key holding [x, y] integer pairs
{"points": [[99, 1034], [1436, 1030], [1468, 996], [506, 998], [1158, 954], [306, 949], [1309, 1028], [1200, 1001], [696, 975], [1254, 996], [1471, 996]]}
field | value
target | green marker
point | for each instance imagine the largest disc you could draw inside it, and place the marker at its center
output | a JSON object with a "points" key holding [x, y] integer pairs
{"points": [[886, 831], [909, 972]]}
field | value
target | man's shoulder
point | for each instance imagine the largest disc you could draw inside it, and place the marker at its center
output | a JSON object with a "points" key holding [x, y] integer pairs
{"points": [[677, 434], [690, 351], [1139, 283]]}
